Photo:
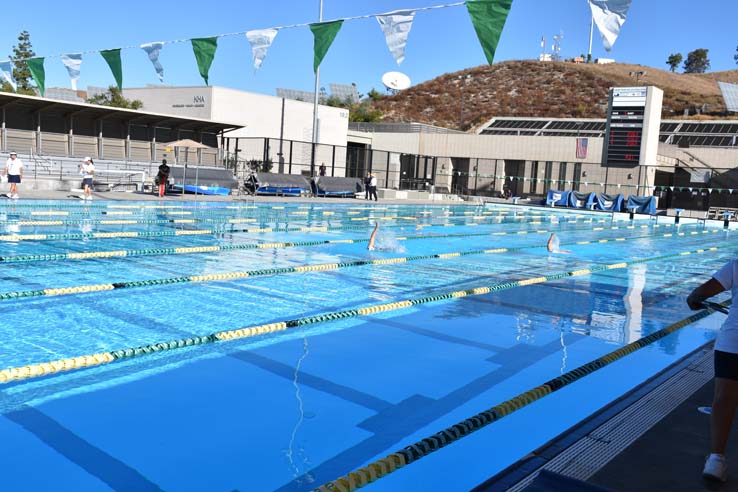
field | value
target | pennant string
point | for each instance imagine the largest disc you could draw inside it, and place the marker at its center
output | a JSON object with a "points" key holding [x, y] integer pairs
{"points": [[242, 33]]}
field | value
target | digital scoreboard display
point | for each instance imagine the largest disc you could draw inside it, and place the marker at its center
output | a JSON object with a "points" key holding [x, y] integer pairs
{"points": [[624, 131]]}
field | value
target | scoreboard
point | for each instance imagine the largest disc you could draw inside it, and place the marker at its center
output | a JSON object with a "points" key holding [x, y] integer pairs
{"points": [[629, 123], [624, 130]]}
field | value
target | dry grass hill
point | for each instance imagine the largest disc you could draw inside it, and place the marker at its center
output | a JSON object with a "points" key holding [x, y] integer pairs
{"points": [[551, 89]]}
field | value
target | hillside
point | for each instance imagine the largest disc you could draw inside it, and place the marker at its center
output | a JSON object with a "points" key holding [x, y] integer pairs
{"points": [[551, 89]]}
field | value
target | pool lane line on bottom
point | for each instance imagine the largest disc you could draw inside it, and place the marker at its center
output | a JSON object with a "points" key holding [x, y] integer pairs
{"points": [[238, 275], [62, 365], [412, 453], [287, 244]]}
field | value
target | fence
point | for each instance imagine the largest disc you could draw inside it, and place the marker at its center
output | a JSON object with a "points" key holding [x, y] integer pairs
{"points": [[677, 184]]}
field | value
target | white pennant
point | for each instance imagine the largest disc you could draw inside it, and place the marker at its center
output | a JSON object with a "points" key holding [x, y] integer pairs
{"points": [[396, 26], [609, 15], [260, 40], [153, 50], [72, 62], [6, 72]]}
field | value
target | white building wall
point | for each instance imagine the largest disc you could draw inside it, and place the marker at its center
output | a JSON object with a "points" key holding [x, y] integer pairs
{"points": [[260, 114]]}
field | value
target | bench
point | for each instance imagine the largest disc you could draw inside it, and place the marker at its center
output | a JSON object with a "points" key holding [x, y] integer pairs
{"points": [[717, 213]]}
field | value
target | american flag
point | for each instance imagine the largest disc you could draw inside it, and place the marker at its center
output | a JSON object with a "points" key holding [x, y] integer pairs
{"points": [[582, 148]]}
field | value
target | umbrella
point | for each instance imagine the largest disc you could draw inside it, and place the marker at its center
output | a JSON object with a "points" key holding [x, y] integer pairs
{"points": [[188, 143]]}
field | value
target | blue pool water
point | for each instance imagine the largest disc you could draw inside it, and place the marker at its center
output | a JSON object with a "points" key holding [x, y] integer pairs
{"points": [[292, 410]]}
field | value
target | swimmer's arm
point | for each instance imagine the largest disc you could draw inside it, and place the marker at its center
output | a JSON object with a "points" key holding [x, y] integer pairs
{"points": [[710, 288], [373, 237]]}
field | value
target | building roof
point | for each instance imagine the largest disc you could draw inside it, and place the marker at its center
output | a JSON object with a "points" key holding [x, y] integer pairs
{"points": [[138, 117]]}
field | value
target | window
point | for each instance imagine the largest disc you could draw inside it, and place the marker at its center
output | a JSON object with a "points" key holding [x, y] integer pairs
{"points": [[577, 176], [562, 175], [547, 176], [534, 177]]}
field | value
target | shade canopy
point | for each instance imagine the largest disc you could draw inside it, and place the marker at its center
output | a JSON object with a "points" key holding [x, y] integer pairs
{"points": [[187, 143]]}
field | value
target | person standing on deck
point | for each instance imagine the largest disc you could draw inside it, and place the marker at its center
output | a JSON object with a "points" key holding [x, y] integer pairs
{"points": [[725, 399]]}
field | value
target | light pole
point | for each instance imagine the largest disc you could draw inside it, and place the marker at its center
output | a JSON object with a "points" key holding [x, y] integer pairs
{"points": [[464, 79], [315, 104]]}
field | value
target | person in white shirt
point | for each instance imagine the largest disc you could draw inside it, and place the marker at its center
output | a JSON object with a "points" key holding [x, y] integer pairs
{"points": [[14, 171], [87, 169], [725, 400]]}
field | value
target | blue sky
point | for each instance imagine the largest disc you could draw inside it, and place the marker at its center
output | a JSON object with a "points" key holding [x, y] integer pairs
{"points": [[440, 41]]}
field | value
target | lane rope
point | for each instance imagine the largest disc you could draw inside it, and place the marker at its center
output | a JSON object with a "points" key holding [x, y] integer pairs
{"points": [[287, 244], [412, 453], [230, 276], [45, 368]]}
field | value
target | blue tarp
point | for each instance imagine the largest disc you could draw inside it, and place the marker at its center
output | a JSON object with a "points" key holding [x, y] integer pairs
{"points": [[601, 201], [204, 190], [642, 204], [579, 200], [558, 198]]}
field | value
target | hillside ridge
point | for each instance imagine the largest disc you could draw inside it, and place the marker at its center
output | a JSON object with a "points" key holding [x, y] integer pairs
{"points": [[547, 89]]}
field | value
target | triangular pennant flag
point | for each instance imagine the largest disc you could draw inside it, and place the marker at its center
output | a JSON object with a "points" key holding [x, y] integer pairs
{"points": [[488, 18], [609, 15], [6, 73], [36, 66], [73, 62], [618, 185], [153, 50], [112, 57], [204, 49], [396, 26], [323, 33], [671, 188], [260, 40], [709, 189]]}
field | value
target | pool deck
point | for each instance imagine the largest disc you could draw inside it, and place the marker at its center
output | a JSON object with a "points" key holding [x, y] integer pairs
{"points": [[620, 450]]}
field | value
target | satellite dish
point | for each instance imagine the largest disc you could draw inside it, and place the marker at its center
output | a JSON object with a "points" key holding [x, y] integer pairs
{"points": [[395, 81]]}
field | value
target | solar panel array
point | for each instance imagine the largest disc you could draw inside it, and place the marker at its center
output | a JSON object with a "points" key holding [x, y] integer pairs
{"points": [[345, 92], [730, 96], [718, 133], [295, 94]]}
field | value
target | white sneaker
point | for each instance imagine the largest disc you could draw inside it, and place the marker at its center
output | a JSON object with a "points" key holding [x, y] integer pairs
{"points": [[716, 468], [14, 195]]}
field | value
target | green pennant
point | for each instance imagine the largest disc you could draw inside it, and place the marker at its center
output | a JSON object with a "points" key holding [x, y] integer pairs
{"points": [[204, 49], [323, 33], [36, 66], [112, 57], [488, 18]]}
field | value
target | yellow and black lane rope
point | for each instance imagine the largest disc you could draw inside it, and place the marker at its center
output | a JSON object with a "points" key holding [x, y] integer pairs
{"points": [[127, 221], [45, 368], [412, 453], [192, 232], [230, 276], [289, 244]]}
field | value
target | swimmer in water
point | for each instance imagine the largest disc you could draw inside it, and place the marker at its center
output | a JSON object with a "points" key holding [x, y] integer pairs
{"points": [[373, 237], [553, 245]]}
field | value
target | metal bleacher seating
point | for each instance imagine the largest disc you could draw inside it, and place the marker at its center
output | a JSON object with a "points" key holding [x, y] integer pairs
{"points": [[718, 213]]}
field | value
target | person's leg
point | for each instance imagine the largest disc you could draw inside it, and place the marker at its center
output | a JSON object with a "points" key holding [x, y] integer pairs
{"points": [[161, 190], [724, 405]]}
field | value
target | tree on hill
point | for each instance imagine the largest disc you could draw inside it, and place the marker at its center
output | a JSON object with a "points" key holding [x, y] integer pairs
{"points": [[697, 61], [114, 98], [735, 57], [21, 73], [375, 95], [674, 60]]}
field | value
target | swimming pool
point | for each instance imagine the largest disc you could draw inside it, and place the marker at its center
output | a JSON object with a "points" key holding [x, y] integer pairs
{"points": [[460, 309]]}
